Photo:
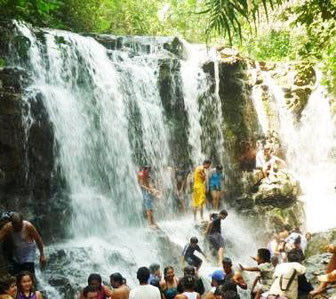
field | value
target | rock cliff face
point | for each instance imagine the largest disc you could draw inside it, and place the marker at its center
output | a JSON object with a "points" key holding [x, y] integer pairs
{"points": [[27, 161]]}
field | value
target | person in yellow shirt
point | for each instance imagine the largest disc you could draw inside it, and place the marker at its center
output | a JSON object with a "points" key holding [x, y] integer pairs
{"points": [[200, 188]]}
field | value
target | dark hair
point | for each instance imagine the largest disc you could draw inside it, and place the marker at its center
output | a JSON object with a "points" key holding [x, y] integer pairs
{"points": [[90, 289], [231, 295], [219, 167], [189, 270], [193, 240], [227, 260], [117, 277], [17, 218], [6, 282], [94, 276], [143, 274], [294, 256], [206, 162], [264, 254], [154, 267], [20, 276], [223, 212], [165, 271], [188, 282]]}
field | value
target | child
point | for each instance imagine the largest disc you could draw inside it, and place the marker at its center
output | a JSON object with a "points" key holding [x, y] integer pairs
{"points": [[266, 270], [25, 284], [8, 289], [188, 254]]}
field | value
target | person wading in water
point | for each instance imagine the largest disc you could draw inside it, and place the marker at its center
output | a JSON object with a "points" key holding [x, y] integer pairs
{"points": [[23, 235], [200, 188], [148, 194]]}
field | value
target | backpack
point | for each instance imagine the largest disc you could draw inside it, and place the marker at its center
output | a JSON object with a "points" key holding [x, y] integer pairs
{"points": [[290, 281]]}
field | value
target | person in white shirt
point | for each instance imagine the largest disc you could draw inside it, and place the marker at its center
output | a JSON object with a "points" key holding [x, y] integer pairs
{"points": [[285, 276], [144, 290]]}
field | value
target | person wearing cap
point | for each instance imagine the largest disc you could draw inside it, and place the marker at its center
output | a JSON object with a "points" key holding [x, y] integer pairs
{"points": [[120, 290], [265, 269], [214, 234], [148, 194], [231, 276], [200, 188], [215, 182], [217, 278]]}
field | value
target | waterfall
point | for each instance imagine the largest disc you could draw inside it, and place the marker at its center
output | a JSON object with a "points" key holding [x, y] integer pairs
{"points": [[109, 117], [308, 148]]}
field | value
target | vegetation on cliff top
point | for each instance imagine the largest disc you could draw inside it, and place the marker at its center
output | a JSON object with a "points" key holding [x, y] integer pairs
{"points": [[303, 30]]}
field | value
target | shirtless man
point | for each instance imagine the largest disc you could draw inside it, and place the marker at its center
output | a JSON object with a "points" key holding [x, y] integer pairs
{"points": [[24, 235], [120, 291], [148, 194]]}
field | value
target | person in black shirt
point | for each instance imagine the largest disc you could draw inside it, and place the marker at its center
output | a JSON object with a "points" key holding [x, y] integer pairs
{"points": [[214, 234], [189, 256]]}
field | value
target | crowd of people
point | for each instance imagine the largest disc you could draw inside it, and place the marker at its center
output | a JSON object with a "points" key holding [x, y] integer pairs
{"points": [[279, 269]]}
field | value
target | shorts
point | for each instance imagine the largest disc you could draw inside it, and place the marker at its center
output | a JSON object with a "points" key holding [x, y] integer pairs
{"points": [[216, 240], [148, 200], [193, 260], [215, 188]]}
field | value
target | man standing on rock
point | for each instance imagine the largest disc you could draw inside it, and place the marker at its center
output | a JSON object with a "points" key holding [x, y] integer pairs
{"points": [[148, 194], [24, 236], [200, 188], [214, 233]]}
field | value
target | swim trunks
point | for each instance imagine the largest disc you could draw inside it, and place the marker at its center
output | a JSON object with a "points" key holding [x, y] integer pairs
{"points": [[148, 200]]}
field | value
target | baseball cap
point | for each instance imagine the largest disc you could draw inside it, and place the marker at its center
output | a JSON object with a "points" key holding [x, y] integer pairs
{"points": [[217, 275]]}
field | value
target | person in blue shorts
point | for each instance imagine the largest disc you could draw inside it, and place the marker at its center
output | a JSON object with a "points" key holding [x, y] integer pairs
{"points": [[215, 183]]}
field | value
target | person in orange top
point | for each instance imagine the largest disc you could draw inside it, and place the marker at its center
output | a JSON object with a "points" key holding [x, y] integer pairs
{"points": [[200, 188]]}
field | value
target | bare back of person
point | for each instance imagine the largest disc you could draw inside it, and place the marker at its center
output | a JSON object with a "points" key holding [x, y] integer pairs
{"points": [[120, 293]]}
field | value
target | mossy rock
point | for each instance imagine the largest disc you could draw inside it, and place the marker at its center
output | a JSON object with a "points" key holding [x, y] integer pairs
{"points": [[320, 240]]}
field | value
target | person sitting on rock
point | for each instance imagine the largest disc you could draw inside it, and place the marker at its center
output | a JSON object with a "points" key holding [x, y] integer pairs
{"points": [[264, 280], [330, 275]]}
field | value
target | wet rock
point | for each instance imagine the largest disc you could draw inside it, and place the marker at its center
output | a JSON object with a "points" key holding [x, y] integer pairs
{"points": [[267, 66], [229, 55], [305, 75], [316, 260]]}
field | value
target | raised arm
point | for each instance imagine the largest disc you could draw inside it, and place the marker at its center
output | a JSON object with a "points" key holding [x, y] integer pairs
{"points": [[252, 269]]}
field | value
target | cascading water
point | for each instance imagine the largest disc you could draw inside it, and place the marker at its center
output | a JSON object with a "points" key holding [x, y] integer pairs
{"points": [[108, 119], [308, 148]]}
